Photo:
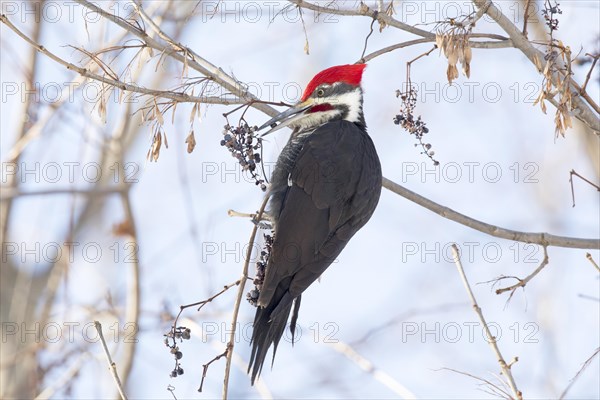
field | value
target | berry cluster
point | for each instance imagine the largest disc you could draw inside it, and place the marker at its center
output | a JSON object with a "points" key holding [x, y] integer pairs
{"points": [[243, 146], [414, 126], [261, 266], [180, 333], [549, 13]]}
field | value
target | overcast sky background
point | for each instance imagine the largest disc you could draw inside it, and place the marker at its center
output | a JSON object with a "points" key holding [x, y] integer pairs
{"points": [[499, 163]]}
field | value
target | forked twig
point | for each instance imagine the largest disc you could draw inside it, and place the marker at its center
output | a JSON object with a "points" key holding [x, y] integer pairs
{"points": [[583, 179], [522, 282]]}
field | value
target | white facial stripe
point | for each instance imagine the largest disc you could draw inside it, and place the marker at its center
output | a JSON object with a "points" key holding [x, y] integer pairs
{"points": [[352, 100]]}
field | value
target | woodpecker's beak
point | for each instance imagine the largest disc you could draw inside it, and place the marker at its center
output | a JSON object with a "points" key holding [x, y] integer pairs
{"points": [[288, 117]]}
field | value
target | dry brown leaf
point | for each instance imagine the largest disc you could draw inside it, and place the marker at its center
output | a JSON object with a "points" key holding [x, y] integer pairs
{"points": [[154, 151], [123, 228], [191, 142], [452, 72]]}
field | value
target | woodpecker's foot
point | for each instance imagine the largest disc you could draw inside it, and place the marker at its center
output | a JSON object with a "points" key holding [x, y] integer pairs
{"points": [[263, 223]]}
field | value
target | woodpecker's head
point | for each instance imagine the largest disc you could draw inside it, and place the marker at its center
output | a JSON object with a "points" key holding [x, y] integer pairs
{"points": [[333, 94]]}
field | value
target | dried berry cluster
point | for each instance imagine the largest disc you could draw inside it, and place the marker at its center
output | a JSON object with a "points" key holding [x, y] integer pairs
{"points": [[413, 126], [243, 145], [180, 333], [261, 266], [549, 13]]}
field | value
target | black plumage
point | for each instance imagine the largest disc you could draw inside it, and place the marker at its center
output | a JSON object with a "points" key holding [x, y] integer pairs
{"points": [[324, 188]]}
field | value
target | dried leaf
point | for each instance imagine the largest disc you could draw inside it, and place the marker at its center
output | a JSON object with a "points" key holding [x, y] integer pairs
{"points": [[363, 8], [306, 47], [173, 112], [191, 142], [124, 228], [466, 62], [158, 113], [537, 62], [154, 151], [193, 113], [452, 72]]}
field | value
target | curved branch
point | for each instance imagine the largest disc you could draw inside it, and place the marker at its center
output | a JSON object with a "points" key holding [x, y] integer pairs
{"points": [[543, 239], [387, 20], [181, 97]]}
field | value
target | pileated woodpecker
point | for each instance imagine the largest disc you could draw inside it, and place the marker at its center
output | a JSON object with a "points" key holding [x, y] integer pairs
{"points": [[325, 187]]}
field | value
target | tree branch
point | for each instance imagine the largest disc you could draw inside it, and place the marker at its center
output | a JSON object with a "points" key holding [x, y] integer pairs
{"points": [[180, 97], [543, 239], [583, 110], [524, 281], [491, 339], [111, 364], [387, 20], [378, 374], [238, 300]]}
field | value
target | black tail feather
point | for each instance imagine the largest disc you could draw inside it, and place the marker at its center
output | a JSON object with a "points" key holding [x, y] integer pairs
{"points": [[269, 325]]}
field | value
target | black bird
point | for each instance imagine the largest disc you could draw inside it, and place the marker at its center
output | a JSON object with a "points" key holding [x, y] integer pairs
{"points": [[325, 187]]}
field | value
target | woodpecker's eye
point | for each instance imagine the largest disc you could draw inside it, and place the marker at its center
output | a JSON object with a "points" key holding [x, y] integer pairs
{"points": [[320, 93]]}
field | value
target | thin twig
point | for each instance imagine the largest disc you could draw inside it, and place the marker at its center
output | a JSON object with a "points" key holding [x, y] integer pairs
{"points": [[381, 17], [180, 97], [492, 230], [506, 369], [205, 366], [583, 367], [112, 366], [362, 56], [583, 179], [14, 193], [591, 259], [498, 391], [589, 74], [526, 17], [238, 301], [525, 281]]}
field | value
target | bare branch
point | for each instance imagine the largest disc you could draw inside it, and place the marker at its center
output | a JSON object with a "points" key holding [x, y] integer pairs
{"points": [[506, 370], [378, 374], [586, 363], [591, 259], [385, 19], [30, 79], [525, 17], [543, 239], [495, 390], [525, 281], [583, 110], [8, 194], [205, 366], [238, 300], [180, 97], [190, 57], [583, 179], [589, 74], [111, 364]]}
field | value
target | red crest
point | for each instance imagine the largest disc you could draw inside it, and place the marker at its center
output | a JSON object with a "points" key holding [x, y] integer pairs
{"points": [[350, 74]]}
